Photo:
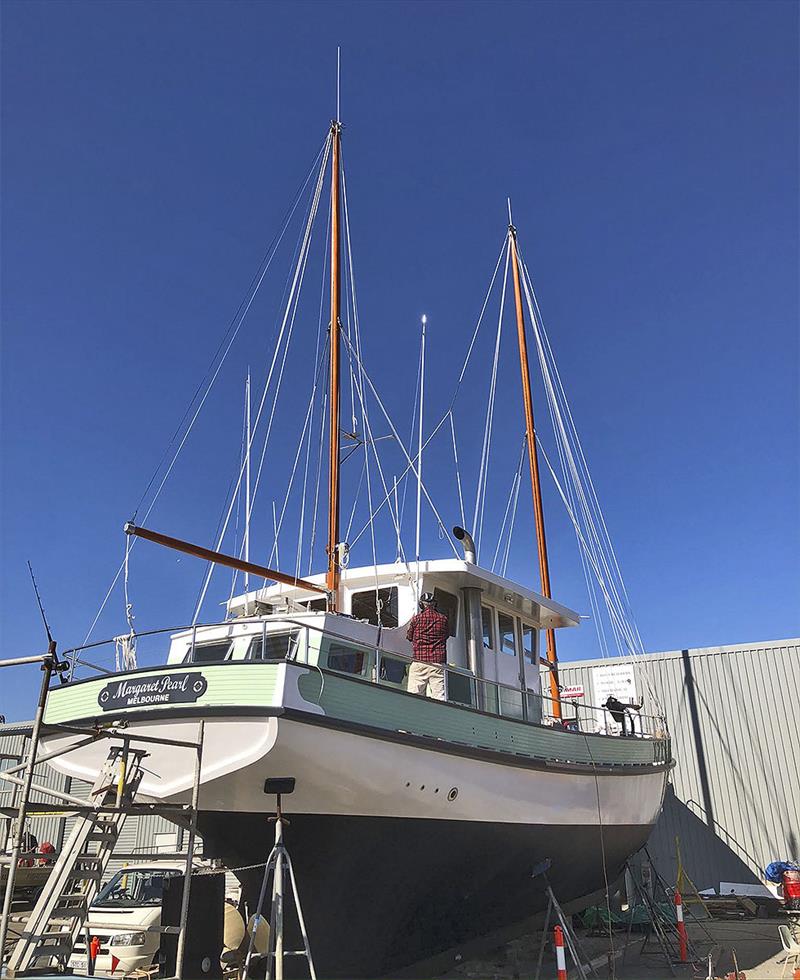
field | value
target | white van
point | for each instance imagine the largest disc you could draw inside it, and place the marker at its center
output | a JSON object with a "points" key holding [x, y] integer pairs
{"points": [[120, 916]]}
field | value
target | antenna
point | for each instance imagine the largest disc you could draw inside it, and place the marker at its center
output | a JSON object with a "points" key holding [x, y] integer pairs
{"points": [[338, 77], [508, 199], [41, 607]]}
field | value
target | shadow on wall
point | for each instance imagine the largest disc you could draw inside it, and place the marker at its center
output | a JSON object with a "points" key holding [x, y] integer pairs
{"points": [[709, 854]]}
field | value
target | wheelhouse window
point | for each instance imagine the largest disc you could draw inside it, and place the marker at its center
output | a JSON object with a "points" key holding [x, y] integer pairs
{"points": [[273, 646], [314, 605], [447, 603], [529, 642], [378, 607], [209, 653], [487, 621], [508, 640], [342, 656]]}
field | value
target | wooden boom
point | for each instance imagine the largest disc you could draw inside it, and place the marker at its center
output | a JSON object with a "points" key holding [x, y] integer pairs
{"points": [[218, 558]]}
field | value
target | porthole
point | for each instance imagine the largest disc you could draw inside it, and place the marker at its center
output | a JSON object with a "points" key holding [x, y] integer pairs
{"points": [[452, 794]]}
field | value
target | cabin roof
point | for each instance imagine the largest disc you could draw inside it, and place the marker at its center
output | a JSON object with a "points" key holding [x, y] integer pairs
{"points": [[455, 573]]}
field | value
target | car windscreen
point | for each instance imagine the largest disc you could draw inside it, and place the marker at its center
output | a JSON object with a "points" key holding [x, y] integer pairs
{"points": [[134, 888]]}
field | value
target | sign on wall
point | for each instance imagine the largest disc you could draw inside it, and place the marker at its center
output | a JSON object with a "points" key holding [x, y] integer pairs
{"points": [[614, 680], [572, 692]]}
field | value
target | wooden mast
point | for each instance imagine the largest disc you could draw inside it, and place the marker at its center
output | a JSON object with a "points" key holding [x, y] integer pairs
{"points": [[334, 380], [533, 459]]}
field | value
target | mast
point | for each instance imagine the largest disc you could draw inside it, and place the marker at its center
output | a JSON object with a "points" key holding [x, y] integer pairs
{"points": [[533, 459], [247, 481], [419, 441], [334, 380]]}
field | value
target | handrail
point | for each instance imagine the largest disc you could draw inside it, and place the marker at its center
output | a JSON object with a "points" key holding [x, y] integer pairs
{"points": [[660, 724]]}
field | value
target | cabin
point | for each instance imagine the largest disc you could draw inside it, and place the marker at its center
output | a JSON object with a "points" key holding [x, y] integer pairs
{"points": [[493, 660]]}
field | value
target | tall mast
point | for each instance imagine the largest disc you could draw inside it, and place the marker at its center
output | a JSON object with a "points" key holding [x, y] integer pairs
{"points": [[247, 479], [419, 442], [335, 380], [533, 459]]}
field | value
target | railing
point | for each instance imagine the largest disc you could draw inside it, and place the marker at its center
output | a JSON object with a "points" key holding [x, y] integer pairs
{"points": [[300, 641]]}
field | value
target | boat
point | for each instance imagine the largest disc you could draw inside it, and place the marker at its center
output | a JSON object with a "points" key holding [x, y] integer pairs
{"points": [[415, 825]]}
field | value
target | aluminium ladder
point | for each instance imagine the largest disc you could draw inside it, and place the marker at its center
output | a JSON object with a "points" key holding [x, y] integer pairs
{"points": [[63, 905]]}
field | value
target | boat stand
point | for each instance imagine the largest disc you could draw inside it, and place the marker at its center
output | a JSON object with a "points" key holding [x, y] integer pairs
{"points": [[571, 941], [278, 863]]}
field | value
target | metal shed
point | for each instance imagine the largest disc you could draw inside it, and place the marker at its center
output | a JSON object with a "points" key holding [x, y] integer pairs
{"points": [[733, 803]]}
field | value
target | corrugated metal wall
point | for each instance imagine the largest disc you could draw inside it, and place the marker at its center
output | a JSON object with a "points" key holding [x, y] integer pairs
{"points": [[734, 797]]}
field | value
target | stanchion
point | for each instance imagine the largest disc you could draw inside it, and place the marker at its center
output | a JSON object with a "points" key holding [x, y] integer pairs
{"points": [[683, 943], [561, 960]]}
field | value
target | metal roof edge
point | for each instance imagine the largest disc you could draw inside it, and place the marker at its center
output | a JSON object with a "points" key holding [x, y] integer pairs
{"points": [[757, 645]]}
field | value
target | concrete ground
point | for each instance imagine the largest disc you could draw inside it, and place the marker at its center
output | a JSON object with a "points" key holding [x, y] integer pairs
{"points": [[755, 942]]}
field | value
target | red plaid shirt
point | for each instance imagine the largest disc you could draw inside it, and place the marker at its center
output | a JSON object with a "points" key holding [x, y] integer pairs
{"points": [[428, 632]]}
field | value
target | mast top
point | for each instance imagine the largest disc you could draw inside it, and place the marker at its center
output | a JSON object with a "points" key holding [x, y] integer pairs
{"points": [[338, 83]]}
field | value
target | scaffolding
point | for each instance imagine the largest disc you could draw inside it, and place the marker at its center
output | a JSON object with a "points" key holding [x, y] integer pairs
{"points": [[50, 930]]}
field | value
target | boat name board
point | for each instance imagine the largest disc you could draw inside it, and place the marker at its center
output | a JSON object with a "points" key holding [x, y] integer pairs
{"points": [[182, 688]]}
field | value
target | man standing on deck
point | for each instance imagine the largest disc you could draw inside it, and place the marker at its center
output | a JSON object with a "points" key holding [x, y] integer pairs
{"points": [[428, 632]]}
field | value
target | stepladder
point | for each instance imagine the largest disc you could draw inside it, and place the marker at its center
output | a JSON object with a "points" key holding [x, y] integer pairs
{"points": [[61, 910]]}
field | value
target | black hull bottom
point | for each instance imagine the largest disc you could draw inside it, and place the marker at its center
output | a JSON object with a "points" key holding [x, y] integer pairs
{"points": [[380, 893]]}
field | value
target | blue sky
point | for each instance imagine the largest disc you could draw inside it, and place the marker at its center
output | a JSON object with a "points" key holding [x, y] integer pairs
{"points": [[149, 153]]}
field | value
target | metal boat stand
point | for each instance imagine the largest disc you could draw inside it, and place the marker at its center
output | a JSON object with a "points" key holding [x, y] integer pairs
{"points": [[571, 941], [278, 863]]}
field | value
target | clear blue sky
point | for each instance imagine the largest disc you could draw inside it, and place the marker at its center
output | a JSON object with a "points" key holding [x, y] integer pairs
{"points": [[150, 149]]}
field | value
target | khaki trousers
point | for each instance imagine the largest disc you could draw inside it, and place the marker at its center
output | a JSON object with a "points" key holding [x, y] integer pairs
{"points": [[426, 679]]}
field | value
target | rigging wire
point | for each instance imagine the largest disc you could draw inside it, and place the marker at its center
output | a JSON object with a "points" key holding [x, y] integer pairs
{"points": [[458, 471], [237, 319], [301, 525], [409, 460], [224, 346], [434, 432], [309, 412], [291, 305], [594, 538], [483, 473], [511, 495], [359, 381], [511, 528]]}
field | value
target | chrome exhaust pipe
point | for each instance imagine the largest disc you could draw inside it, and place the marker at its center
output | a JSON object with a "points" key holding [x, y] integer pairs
{"points": [[469, 545]]}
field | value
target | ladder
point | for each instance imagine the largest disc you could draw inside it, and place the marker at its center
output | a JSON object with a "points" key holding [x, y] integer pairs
{"points": [[63, 906]]}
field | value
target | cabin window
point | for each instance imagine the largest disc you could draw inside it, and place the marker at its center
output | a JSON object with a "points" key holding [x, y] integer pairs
{"points": [[508, 640], [447, 603], [487, 620], [529, 642], [273, 646], [343, 657], [209, 653], [314, 605], [363, 605]]}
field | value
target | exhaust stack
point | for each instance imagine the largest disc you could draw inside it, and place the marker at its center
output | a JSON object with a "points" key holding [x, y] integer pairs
{"points": [[469, 545], [472, 608]]}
